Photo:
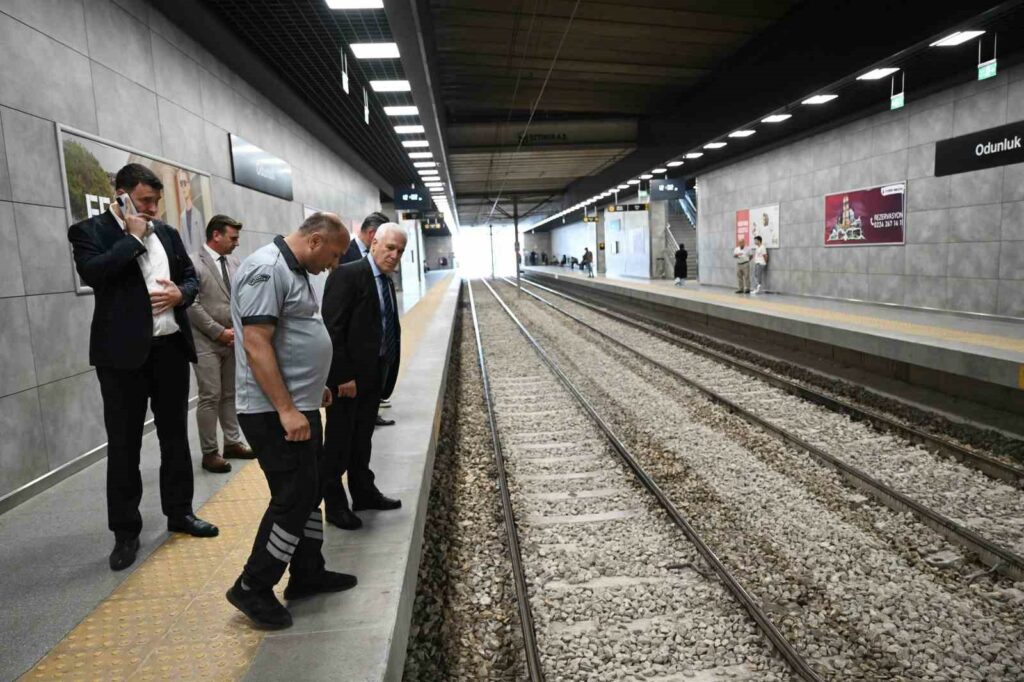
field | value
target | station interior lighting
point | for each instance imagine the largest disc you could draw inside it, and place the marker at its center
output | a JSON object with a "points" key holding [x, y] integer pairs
{"points": [[415, 143], [674, 164], [406, 110], [957, 38], [428, 171], [623, 186], [355, 4], [742, 133], [409, 130], [715, 145], [421, 155], [646, 176], [875, 74], [375, 50], [660, 170], [694, 155], [391, 86], [633, 182], [819, 99], [776, 118], [425, 164]]}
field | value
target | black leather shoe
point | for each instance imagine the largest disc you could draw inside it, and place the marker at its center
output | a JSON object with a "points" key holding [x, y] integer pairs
{"points": [[380, 503], [191, 525], [124, 553], [327, 581], [261, 607], [381, 421], [344, 519]]}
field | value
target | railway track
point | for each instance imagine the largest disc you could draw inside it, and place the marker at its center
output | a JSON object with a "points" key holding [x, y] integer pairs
{"points": [[975, 512]]}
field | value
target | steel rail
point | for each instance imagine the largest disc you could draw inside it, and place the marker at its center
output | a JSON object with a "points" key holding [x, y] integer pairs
{"points": [[533, 665], [785, 648], [988, 465], [998, 557]]}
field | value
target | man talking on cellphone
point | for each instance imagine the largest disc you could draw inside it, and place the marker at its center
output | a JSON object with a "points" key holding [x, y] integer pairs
{"points": [[141, 345]]}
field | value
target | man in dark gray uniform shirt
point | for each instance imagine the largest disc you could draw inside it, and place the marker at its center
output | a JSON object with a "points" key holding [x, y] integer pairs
{"points": [[280, 385]]}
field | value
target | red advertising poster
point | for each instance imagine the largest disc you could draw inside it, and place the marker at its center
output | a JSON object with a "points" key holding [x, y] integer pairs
{"points": [[866, 217], [743, 227]]}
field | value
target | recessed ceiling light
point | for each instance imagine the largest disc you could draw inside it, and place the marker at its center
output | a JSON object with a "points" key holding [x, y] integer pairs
{"points": [[819, 99], [428, 171], [421, 155], [776, 118], [425, 164], [391, 86], [355, 4], [714, 145], [674, 164], [415, 143], [375, 50], [409, 130], [956, 38], [437, 190], [875, 74], [694, 155], [646, 176], [401, 111], [660, 170], [433, 184], [633, 182], [742, 133], [623, 187]]}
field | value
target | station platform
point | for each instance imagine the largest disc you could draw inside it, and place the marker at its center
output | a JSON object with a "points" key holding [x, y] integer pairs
{"points": [[971, 356], [67, 616]]}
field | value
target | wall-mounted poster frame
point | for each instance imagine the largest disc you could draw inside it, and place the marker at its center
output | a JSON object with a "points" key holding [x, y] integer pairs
{"points": [[869, 216], [88, 165]]}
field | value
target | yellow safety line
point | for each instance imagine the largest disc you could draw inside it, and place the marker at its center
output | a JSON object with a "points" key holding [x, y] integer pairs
{"points": [[169, 619]]}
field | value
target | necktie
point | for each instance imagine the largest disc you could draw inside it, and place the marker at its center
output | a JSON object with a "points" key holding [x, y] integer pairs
{"points": [[390, 335], [224, 273]]}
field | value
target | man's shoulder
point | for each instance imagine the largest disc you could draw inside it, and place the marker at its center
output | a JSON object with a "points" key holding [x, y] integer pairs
{"points": [[93, 222]]}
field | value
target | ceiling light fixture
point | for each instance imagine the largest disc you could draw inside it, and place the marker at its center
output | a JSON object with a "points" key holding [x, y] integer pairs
{"points": [[421, 155], [674, 164], [425, 164], [957, 38], [375, 50], [819, 99], [391, 86], [415, 143], [715, 145], [875, 74], [633, 182], [355, 4], [623, 187], [660, 170], [401, 111], [646, 176], [409, 130], [428, 171], [742, 133], [694, 155], [776, 118]]}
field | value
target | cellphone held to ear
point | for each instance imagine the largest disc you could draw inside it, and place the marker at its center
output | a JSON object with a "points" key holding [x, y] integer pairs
{"points": [[128, 208]]}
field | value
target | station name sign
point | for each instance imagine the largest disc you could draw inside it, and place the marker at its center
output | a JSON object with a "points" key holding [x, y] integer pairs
{"points": [[985, 149], [257, 169]]}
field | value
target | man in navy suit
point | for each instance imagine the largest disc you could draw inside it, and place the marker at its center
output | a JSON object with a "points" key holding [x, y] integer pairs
{"points": [[360, 244], [141, 345]]}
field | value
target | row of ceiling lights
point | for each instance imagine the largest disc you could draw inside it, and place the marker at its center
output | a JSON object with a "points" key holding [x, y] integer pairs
{"points": [[418, 148], [952, 40]]}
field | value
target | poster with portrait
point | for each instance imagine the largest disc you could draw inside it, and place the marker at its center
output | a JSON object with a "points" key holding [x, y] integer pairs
{"points": [[866, 217], [90, 165], [764, 223]]}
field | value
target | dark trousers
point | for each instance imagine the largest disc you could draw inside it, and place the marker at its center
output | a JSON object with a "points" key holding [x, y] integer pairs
{"points": [[347, 448], [292, 529], [162, 381]]}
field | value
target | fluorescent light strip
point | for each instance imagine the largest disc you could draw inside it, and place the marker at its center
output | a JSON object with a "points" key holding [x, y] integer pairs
{"points": [[694, 155], [415, 143], [660, 170], [776, 118], [355, 4], [742, 133], [957, 38], [674, 164], [421, 155], [632, 182], [819, 99], [409, 130], [623, 187], [391, 86], [425, 164], [375, 50], [646, 176], [715, 145], [401, 111], [426, 172], [875, 74]]}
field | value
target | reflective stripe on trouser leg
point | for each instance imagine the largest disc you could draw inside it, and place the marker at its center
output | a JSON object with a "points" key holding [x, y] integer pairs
{"points": [[314, 526]]}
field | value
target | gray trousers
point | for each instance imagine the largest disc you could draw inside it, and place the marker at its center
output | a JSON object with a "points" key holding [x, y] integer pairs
{"points": [[743, 276], [215, 375], [759, 271]]}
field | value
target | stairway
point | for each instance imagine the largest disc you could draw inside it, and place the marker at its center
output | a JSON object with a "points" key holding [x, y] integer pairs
{"points": [[685, 233]]}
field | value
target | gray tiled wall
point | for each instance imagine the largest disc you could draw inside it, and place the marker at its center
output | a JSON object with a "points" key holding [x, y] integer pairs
{"points": [[118, 69], [964, 233]]}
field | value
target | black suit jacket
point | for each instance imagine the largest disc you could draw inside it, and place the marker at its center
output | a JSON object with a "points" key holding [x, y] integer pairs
{"points": [[353, 254], [122, 322], [351, 310]]}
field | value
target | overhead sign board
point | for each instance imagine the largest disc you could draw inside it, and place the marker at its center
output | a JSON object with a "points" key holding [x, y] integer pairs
{"points": [[666, 188], [986, 149], [257, 169], [411, 197]]}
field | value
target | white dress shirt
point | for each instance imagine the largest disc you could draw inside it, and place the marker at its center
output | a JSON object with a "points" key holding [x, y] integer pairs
{"points": [[154, 266], [363, 248]]}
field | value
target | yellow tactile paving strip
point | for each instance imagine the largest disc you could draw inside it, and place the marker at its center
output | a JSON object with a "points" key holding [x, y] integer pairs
{"points": [[169, 619]]}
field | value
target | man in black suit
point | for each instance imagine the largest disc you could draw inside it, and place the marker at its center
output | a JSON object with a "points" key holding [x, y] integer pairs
{"points": [[141, 345], [360, 311], [360, 244]]}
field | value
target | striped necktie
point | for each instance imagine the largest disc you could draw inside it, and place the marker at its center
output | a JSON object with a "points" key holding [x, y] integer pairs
{"points": [[390, 333]]}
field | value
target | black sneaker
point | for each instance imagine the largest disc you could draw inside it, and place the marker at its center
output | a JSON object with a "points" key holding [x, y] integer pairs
{"points": [[124, 553], [326, 581], [261, 607]]}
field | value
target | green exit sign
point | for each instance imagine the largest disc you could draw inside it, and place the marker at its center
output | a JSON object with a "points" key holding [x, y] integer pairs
{"points": [[987, 70], [896, 101]]}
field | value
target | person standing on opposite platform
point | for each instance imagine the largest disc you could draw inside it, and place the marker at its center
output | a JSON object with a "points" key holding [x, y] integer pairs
{"points": [[760, 264], [680, 268], [742, 255], [141, 345], [210, 314], [360, 310], [280, 384], [587, 262]]}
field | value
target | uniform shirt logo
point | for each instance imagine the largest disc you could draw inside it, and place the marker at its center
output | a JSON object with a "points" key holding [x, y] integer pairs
{"points": [[258, 279]]}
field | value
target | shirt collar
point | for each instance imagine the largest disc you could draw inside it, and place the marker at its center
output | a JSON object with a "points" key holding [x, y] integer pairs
{"points": [[287, 254], [363, 248], [213, 254], [373, 266], [117, 218]]}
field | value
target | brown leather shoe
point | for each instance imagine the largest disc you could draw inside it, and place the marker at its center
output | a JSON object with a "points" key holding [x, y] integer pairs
{"points": [[238, 451], [216, 464]]}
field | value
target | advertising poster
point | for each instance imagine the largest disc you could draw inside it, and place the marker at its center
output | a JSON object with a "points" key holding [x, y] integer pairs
{"points": [[764, 223], [743, 227], [866, 217], [89, 170]]}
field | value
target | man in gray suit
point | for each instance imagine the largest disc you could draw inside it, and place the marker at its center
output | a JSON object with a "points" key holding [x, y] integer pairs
{"points": [[215, 345]]}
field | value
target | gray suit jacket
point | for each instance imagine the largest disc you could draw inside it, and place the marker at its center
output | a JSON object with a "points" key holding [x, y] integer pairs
{"points": [[211, 312]]}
